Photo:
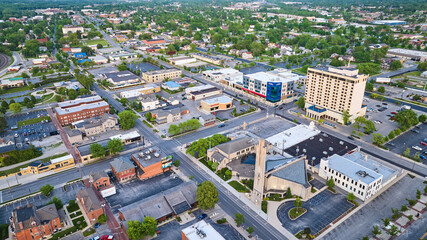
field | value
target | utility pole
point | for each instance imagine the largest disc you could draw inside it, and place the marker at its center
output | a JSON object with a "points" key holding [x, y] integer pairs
{"points": [[16, 176], [10, 190]]}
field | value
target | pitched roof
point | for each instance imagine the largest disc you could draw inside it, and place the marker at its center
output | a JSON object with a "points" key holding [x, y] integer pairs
{"points": [[236, 145], [98, 175], [121, 164], [291, 169], [90, 200]]}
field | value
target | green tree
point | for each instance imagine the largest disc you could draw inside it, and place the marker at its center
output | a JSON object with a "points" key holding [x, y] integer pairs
{"points": [[378, 139], [407, 152], [288, 193], [376, 230], [386, 222], [57, 202], [102, 218], [250, 230], [15, 107], [391, 135], [115, 145], [330, 183], [207, 195], [97, 150], [422, 66], [351, 197], [127, 119], [46, 190], [301, 102], [406, 118], [149, 116], [298, 203], [422, 118], [381, 89], [369, 86], [3, 124], [396, 65], [394, 230], [136, 230], [176, 163], [346, 116], [239, 219]]}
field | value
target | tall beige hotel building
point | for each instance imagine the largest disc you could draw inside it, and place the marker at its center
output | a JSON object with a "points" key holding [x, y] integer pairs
{"points": [[331, 90]]}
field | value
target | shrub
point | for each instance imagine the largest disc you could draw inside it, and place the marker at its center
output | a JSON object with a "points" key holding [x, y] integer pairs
{"points": [[264, 205], [221, 221]]}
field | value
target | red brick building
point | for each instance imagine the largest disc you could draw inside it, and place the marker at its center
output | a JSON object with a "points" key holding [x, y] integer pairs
{"points": [[153, 41], [99, 180], [123, 169], [90, 204], [81, 108], [29, 223], [151, 162]]}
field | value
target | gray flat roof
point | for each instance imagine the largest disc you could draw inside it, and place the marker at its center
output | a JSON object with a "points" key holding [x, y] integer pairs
{"points": [[121, 76], [79, 108], [149, 156]]}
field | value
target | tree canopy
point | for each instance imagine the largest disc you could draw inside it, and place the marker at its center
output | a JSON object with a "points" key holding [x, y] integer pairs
{"points": [[207, 195], [127, 119]]}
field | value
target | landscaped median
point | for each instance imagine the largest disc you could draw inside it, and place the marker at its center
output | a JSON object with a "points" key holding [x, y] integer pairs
{"points": [[32, 121]]}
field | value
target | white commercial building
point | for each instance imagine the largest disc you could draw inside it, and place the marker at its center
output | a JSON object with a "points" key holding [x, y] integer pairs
{"points": [[149, 88], [356, 173], [413, 54], [201, 231], [273, 86], [73, 29], [182, 60], [227, 74]]}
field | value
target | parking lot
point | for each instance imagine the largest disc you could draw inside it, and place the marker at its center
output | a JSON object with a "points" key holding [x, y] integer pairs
{"points": [[360, 223], [136, 190], [67, 194], [143, 66], [322, 209], [381, 118], [411, 139]]}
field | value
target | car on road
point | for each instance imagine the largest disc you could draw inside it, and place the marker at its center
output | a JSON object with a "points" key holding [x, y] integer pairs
{"points": [[417, 148], [423, 143], [384, 103], [415, 131], [221, 125], [350, 137], [422, 157], [203, 216], [378, 105]]}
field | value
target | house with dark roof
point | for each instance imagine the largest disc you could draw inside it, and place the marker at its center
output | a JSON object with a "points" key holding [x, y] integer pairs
{"points": [[169, 115], [30, 222], [90, 204], [162, 205], [123, 169], [99, 179], [233, 150]]}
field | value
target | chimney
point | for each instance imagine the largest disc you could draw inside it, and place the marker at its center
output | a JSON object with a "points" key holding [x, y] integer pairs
{"points": [[2, 141], [21, 226]]}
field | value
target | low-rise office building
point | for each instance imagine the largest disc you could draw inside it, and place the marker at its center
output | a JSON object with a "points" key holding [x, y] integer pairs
{"points": [[161, 206], [181, 60], [412, 54], [223, 74], [207, 58], [216, 104], [96, 125], [98, 59], [122, 79], [12, 82], [151, 162], [201, 92], [123, 169], [357, 173], [72, 29], [81, 108], [29, 222], [200, 231], [160, 75], [109, 51], [274, 86], [147, 89], [56, 164]]}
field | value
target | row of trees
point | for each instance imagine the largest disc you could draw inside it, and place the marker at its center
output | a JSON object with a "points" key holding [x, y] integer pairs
{"points": [[113, 146], [183, 127], [199, 148]]}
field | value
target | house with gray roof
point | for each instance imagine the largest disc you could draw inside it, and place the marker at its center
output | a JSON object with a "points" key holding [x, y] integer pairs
{"points": [[123, 169], [90, 204], [169, 115]]}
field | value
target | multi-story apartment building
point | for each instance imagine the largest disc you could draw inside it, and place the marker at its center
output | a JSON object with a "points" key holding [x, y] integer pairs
{"points": [[29, 222], [160, 75], [330, 91], [274, 86], [81, 108]]}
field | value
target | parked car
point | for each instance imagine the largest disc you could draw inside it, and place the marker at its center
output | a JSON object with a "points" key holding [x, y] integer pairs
{"points": [[417, 148], [394, 113], [384, 103], [203, 216], [378, 105], [390, 143], [422, 157], [350, 137], [95, 238], [97, 225], [423, 143], [221, 125], [419, 127], [415, 131]]}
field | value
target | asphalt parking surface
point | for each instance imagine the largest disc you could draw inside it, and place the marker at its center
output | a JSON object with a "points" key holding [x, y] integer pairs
{"points": [[317, 184], [322, 209], [360, 223], [269, 127], [136, 190], [143, 66], [410, 139], [66, 195]]}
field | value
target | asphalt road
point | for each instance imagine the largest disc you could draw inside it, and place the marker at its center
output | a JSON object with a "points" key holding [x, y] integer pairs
{"points": [[4, 61]]}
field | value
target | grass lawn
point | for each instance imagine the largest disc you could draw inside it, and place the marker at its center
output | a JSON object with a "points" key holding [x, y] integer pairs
{"points": [[72, 206], [79, 223], [299, 70], [88, 232], [97, 41], [14, 90], [239, 187], [293, 214], [32, 121]]}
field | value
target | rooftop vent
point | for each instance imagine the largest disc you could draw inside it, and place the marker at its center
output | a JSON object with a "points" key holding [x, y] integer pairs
{"points": [[325, 153], [362, 173], [331, 149], [341, 143], [320, 140]]}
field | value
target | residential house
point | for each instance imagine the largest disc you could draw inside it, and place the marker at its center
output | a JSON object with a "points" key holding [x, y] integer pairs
{"points": [[123, 169], [90, 205], [170, 115]]}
